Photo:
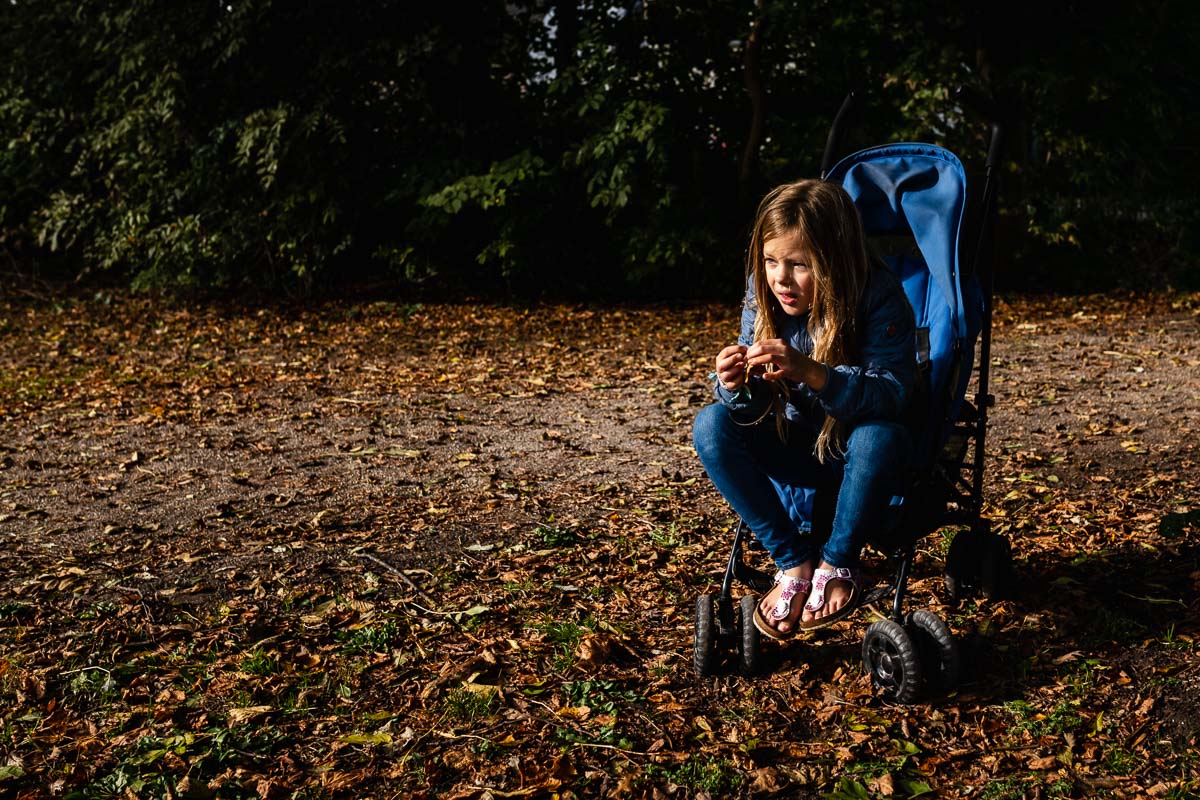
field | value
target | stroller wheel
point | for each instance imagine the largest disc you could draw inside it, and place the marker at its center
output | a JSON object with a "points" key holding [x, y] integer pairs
{"points": [[704, 656], [996, 576], [937, 649], [963, 563], [890, 657], [748, 634]]}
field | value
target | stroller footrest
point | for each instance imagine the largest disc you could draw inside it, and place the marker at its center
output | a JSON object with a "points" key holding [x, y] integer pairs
{"points": [[878, 593], [756, 579]]}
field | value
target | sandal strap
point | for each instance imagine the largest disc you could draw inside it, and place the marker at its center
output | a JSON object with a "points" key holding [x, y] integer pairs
{"points": [[791, 587], [821, 577]]}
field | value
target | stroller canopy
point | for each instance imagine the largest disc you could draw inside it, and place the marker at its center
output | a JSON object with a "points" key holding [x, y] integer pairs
{"points": [[916, 189], [917, 192]]}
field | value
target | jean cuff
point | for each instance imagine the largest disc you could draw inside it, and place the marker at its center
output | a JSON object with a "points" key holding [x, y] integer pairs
{"points": [[794, 558], [848, 562]]}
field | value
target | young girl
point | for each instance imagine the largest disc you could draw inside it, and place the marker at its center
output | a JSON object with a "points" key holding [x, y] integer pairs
{"points": [[811, 395]]}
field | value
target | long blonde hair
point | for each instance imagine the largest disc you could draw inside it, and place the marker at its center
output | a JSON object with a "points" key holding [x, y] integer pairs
{"points": [[826, 219]]}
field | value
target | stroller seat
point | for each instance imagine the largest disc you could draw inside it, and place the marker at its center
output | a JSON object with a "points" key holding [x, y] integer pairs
{"points": [[912, 199]]}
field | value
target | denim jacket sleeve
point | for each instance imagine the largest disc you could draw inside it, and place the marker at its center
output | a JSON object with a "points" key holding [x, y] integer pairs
{"points": [[752, 400], [880, 385]]}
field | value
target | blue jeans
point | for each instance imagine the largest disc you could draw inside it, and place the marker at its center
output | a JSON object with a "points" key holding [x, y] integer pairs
{"points": [[743, 460]]}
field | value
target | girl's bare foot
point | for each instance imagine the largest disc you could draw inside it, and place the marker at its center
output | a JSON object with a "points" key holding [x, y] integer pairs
{"points": [[837, 593], [767, 605]]}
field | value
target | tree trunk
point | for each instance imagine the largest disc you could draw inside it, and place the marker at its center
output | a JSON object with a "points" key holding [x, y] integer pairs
{"points": [[751, 73]]}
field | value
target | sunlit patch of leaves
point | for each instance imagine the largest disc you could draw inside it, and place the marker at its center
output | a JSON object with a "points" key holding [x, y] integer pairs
{"points": [[600, 702], [600, 696], [378, 672]]}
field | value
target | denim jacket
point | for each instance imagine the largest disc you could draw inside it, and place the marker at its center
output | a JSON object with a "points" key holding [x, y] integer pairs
{"points": [[876, 386]]}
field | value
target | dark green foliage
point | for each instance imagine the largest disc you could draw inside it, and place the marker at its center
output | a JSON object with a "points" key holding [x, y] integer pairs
{"points": [[204, 144], [567, 146]]}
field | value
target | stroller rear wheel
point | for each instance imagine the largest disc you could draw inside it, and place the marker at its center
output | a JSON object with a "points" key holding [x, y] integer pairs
{"points": [[937, 649], [964, 562], [890, 657], [996, 576], [704, 655], [748, 637]]}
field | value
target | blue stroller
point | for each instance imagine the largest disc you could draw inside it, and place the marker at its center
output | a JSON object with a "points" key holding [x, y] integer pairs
{"points": [[913, 200]]}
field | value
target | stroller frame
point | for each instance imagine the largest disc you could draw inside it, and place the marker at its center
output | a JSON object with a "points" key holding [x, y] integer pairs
{"points": [[904, 653]]}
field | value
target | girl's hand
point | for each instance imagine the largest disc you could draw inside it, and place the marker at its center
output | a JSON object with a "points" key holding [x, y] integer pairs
{"points": [[789, 362], [731, 367]]}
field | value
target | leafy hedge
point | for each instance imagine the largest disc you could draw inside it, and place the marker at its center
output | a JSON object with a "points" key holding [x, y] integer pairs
{"points": [[562, 146]]}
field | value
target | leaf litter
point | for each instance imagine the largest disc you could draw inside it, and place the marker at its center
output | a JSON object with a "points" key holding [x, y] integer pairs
{"points": [[375, 549]]}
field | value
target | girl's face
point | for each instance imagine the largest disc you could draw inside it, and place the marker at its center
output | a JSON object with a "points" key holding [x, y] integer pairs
{"points": [[789, 269]]}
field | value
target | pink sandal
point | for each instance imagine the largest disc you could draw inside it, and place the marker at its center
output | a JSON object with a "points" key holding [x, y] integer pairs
{"points": [[783, 606], [821, 577]]}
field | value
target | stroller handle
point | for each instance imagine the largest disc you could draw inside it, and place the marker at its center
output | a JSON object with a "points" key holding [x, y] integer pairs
{"points": [[986, 108], [994, 147], [835, 135]]}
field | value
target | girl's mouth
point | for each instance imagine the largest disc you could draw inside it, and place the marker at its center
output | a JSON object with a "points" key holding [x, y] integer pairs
{"points": [[786, 298]]}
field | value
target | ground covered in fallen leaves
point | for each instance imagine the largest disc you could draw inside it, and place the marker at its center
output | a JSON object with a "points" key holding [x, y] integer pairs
{"points": [[375, 549]]}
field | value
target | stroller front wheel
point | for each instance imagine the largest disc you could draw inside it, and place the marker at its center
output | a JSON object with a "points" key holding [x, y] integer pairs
{"points": [[936, 648], [748, 637]]}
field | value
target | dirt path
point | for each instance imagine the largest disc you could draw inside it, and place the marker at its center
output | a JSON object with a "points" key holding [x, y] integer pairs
{"points": [[440, 550]]}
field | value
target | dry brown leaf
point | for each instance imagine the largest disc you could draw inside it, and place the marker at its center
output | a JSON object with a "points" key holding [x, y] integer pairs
{"points": [[240, 716]]}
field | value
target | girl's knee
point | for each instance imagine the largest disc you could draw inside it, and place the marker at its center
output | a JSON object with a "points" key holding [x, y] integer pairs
{"points": [[709, 429], [879, 443]]}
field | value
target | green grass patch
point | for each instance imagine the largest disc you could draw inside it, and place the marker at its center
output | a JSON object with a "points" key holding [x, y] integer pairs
{"points": [[717, 776], [565, 637], [603, 699], [94, 686], [553, 536], [667, 538], [15, 611], [468, 705], [1114, 626], [1063, 718], [259, 663], [1119, 761], [369, 638], [150, 768], [1007, 789]]}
